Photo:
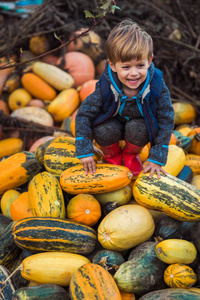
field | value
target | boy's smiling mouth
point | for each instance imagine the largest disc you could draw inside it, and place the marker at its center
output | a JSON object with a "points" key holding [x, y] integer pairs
{"points": [[133, 81]]}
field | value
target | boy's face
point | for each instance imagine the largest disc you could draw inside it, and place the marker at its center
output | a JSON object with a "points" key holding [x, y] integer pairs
{"points": [[131, 73]]}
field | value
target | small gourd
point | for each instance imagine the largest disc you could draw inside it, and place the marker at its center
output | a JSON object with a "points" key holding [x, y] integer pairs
{"points": [[179, 276], [85, 209]]}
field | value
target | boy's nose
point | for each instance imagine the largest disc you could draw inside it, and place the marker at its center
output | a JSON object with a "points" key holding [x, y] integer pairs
{"points": [[133, 71]]}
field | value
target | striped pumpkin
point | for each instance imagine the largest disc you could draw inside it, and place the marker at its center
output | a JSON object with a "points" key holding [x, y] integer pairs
{"points": [[46, 196], [106, 179], [53, 234], [179, 276], [173, 196], [18, 169], [60, 155], [92, 281]]}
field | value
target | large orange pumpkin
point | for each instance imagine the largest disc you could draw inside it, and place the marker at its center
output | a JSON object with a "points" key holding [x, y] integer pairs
{"points": [[85, 209], [87, 88], [79, 65]]}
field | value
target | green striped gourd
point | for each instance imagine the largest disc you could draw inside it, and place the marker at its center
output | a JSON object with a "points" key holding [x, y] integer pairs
{"points": [[46, 196], [39, 234], [169, 194]]}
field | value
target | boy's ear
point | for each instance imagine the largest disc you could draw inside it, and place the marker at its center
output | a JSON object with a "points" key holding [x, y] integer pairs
{"points": [[112, 66], [150, 61]]}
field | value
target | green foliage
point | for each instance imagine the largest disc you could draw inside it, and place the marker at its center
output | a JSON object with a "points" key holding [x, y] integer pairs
{"points": [[102, 9]]}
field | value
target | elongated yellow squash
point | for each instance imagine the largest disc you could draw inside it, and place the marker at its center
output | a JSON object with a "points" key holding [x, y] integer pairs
{"points": [[52, 267], [169, 194], [53, 75], [64, 104], [173, 251], [107, 178], [46, 196]]}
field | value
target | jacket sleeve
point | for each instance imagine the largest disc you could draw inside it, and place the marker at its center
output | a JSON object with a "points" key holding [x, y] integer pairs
{"points": [[83, 131], [165, 116]]}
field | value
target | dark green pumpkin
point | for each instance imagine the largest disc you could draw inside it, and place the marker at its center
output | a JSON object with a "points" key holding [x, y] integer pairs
{"points": [[142, 272], [44, 292], [8, 249], [186, 174], [4, 222], [6, 289], [109, 260], [167, 227], [16, 276], [171, 294], [196, 235]]}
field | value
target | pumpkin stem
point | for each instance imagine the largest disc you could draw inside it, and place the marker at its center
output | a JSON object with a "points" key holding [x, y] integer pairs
{"points": [[130, 175], [20, 267]]}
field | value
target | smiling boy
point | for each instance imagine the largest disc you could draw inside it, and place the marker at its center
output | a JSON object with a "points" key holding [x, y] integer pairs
{"points": [[131, 102]]}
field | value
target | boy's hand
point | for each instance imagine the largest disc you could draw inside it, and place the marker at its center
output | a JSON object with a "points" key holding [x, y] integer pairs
{"points": [[88, 164], [149, 166]]}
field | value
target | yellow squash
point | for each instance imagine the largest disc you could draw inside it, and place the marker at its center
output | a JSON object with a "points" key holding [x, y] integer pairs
{"points": [[52, 267], [172, 251]]}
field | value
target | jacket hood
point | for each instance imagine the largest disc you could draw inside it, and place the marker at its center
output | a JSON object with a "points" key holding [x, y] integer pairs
{"points": [[116, 83]]}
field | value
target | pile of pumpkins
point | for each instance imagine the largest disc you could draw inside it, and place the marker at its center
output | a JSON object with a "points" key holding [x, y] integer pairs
{"points": [[67, 235]]}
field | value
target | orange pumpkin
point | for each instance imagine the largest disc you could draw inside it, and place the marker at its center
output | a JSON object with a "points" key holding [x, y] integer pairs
{"points": [[80, 66], [173, 140], [20, 208], [72, 127], [127, 296], [144, 153], [195, 148], [100, 67], [39, 44], [87, 88], [85, 209]]}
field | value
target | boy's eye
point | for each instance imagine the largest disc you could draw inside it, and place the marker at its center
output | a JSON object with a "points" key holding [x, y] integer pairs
{"points": [[141, 66], [125, 67]]}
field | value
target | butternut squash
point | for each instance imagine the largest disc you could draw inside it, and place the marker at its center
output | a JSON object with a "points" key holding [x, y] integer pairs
{"points": [[37, 87], [64, 104]]}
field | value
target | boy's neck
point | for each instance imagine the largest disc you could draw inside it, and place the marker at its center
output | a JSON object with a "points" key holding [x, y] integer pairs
{"points": [[130, 93]]}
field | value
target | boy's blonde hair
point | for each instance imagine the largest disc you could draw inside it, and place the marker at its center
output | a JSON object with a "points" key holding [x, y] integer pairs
{"points": [[128, 41]]}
